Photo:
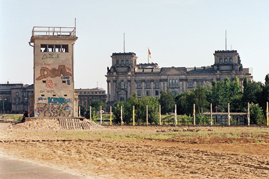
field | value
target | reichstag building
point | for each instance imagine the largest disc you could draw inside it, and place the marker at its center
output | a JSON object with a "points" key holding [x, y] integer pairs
{"points": [[125, 76]]}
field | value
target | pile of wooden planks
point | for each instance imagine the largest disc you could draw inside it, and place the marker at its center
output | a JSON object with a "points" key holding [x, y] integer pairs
{"points": [[69, 123]]}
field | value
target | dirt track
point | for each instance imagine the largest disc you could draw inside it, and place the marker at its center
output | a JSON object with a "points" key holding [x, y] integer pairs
{"points": [[140, 158]]}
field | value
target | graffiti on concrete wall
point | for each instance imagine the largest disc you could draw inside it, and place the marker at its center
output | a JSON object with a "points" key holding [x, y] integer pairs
{"points": [[46, 56], [49, 84], [46, 72], [59, 100], [53, 110], [47, 91], [66, 78]]}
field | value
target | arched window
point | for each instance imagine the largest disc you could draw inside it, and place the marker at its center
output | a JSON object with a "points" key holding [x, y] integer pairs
{"points": [[220, 60], [122, 62], [174, 93], [127, 62], [231, 60], [225, 60], [117, 62]]}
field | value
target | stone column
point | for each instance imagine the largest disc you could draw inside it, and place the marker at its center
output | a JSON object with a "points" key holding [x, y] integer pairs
{"points": [[108, 92], [151, 85]]}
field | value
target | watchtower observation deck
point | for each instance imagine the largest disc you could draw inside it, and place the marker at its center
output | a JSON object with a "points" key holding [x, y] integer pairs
{"points": [[40, 32]]}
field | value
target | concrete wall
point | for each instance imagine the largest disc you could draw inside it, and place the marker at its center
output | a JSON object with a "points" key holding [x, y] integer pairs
{"points": [[53, 79]]}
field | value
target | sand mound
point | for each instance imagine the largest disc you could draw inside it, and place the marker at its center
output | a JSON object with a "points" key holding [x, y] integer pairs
{"points": [[42, 124], [50, 124], [94, 125]]}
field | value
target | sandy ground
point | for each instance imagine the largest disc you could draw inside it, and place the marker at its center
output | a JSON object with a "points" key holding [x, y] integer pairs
{"points": [[98, 154]]}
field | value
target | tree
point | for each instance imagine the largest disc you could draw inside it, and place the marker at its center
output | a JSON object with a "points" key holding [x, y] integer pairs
{"points": [[167, 101], [236, 96], [200, 98], [256, 114], [126, 112], [267, 79], [235, 87], [96, 105], [252, 93], [140, 109], [186, 101]]}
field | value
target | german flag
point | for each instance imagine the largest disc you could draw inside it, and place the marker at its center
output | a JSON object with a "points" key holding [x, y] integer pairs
{"points": [[149, 53]]}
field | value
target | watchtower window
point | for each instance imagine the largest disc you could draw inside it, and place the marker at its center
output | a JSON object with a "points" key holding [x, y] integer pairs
{"points": [[220, 60], [225, 60], [53, 48], [127, 62], [122, 62], [231, 60], [117, 62]]}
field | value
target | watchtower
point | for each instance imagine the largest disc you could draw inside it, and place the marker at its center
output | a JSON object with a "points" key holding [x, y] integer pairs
{"points": [[54, 71]]}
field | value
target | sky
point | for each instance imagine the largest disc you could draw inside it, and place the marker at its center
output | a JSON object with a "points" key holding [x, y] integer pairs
{"points": [[180, 33]]}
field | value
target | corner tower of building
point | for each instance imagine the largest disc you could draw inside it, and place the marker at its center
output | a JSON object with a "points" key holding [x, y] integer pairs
{"points": [[120, 76], [54, 71]]}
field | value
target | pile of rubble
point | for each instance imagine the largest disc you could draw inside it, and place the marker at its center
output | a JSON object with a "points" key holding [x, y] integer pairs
{"points": [[94, 125], [42, 124], [53, 124]]}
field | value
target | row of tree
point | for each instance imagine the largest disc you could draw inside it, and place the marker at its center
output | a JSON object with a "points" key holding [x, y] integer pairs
{"points": [[220, 94], [217, 93]]}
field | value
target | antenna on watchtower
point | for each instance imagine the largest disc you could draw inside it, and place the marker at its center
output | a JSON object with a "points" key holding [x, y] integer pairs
{"points": [[225, 39], [124, 42]]}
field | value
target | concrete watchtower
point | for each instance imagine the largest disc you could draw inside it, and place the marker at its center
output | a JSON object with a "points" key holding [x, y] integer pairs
{"points": [[54, 71]]}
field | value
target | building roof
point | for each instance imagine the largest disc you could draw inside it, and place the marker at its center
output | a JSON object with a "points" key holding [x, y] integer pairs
{"points": [[122, 54], [226, 51]]}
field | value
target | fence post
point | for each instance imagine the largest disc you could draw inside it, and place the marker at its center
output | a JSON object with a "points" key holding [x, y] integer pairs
{"points": [[267, 114], [229, 122], [111, 115], [211, 114], [101, 120], [175, 115], [133, 115], [147, 116], [160, 115], [121, 120], [78, 111], [90, 113], [248, 115], [193, 114]]}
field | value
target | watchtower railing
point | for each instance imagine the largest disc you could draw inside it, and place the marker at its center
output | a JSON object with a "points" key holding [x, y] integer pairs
{"points": [[53, 31]]}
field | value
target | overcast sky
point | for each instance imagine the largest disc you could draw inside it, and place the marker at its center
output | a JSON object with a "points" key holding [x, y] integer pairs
{"points": [[180, 33]]}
